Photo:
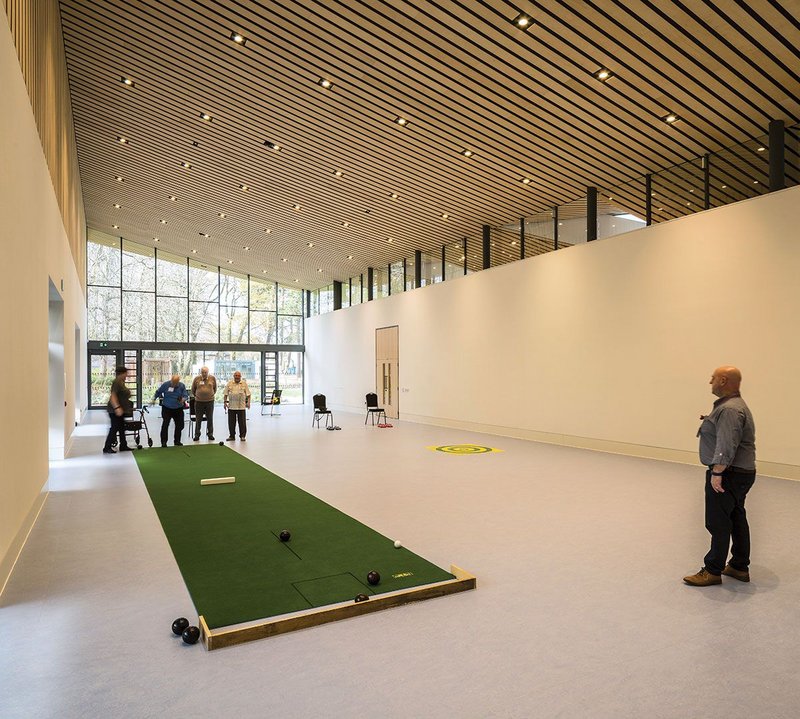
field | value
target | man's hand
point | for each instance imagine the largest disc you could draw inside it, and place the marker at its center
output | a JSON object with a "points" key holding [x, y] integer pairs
{"points": [[716, 484]]}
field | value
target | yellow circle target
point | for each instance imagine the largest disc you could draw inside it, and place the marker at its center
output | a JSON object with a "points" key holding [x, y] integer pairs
{"points": [[463, 449]]}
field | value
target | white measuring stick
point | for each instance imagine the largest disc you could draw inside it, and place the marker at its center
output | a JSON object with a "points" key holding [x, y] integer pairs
{"points": [[218, 480]]}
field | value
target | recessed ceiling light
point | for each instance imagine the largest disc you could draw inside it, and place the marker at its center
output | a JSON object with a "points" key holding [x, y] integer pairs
{"points": [[309, 244], [116, 227], [238, 38], [445, 215], [671, 118], [245, 248], [195, 143], [272, 145], [327, 84], [127, 81], [230, 262], [523, 21], [244, 188], [389, 239], [117, 206], [393, 195], [603, 74], [297, 280], [203, 234], [401, 121], [467, 153], [319, 270], [194, 252], [560, 224], [163, 222], [263, 272], [526, 180], [724, 187], [205, 116], [267, 230], [122, 140], [222, 215], [755, 182], [338, 173], [155, 239], [284, 259], [296, 207], [186, 165], [349, 257], [513, 242], [119, 179], [345, 224], [173, 198]]}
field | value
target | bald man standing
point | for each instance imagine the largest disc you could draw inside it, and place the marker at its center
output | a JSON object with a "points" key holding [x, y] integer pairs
{"points": [[173, 395], [728, 449]]}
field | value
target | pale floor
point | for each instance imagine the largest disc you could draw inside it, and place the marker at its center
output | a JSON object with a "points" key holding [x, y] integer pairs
{"points": [[579, 611]]}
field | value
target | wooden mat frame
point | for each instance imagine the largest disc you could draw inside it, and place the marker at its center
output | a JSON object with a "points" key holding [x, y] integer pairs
{"points": [[263, 628]]}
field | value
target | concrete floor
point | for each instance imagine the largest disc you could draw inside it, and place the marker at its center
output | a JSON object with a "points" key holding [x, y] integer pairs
{"points": [[579, 611]]}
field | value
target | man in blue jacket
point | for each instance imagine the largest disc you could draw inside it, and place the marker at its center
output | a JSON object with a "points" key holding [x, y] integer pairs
{"points": [[173, 396]]}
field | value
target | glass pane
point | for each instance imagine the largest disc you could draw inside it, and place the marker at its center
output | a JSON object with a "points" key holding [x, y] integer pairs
{"points": [[410, 270], [223, 364], [159, 365], [262, 328], [355, 290], [621, 209], [431, 269], [172, 275], [474, 254], [138, 316], [326, 299], [792, 156], [203, 322], [232, 289], [678, 191], [739, 172], [290, 377], [345, 294], [102, 373], [572, 223], [454, 260], [396, 273], [203, 282], [314, 302], [380, 283], [290, 300], [138, 267], [233, 324], [290, 330], [172, 319], [103, 313], [539, 234], [262, 295], [103, 259]]}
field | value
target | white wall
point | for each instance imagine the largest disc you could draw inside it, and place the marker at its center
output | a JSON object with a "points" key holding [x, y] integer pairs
{"points": [[34, 248], [606, 345]]}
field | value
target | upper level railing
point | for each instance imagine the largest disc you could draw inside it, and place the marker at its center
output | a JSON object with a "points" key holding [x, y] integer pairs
{"points": [[752, 168]]}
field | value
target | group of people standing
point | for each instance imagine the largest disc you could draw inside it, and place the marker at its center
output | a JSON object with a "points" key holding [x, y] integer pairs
{"points": [[174, 400]]}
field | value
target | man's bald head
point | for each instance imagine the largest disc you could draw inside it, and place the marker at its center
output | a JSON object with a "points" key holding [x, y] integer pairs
{"points": [[725, 381], [175, 379]]}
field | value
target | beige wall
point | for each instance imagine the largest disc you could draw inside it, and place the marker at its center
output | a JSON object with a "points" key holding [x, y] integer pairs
{"points": [[606, 345], [35, 247]]}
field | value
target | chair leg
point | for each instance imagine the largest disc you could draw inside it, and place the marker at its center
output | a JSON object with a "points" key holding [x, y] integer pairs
{"points": [[367, 417]]}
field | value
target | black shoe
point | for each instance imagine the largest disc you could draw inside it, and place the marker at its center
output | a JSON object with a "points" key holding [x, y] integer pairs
{"points": [[195, 439], [179, 444], [230, 439], [211, 438], [242, 439], [163, 445], [126, 448], [108, 450]]}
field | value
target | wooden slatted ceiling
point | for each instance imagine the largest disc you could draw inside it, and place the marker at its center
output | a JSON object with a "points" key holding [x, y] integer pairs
{"points": [[524, 102]]}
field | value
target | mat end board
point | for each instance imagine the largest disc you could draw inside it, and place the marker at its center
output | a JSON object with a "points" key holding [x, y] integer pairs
{"points": [[230, 636]]}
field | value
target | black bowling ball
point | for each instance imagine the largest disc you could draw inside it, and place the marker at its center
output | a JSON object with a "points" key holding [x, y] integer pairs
{"points": [[285, 535], [179, 625], [361, 598], [373, 578], [191, 635]]}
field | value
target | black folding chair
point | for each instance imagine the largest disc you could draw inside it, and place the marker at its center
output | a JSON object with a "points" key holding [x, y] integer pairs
{"points": [[321, 410], [272, 402], [373, 409]]}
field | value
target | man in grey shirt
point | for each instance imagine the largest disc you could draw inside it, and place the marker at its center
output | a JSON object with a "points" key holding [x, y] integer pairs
{"points": [[728, 449]]}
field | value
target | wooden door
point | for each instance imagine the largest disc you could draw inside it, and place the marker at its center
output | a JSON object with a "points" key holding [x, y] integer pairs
{"points": [[387, 368]]}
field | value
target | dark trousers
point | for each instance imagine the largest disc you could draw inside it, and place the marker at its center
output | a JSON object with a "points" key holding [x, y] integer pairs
{"points": [[168, 414], [204, 409], [234, 416], [726, 521], [117, 429]]}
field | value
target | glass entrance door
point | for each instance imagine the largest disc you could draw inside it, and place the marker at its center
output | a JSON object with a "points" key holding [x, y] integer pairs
{"points": [[102, 365]]}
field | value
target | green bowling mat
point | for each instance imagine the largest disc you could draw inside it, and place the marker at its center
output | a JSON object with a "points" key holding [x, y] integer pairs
{"points": [[225, 539]]}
